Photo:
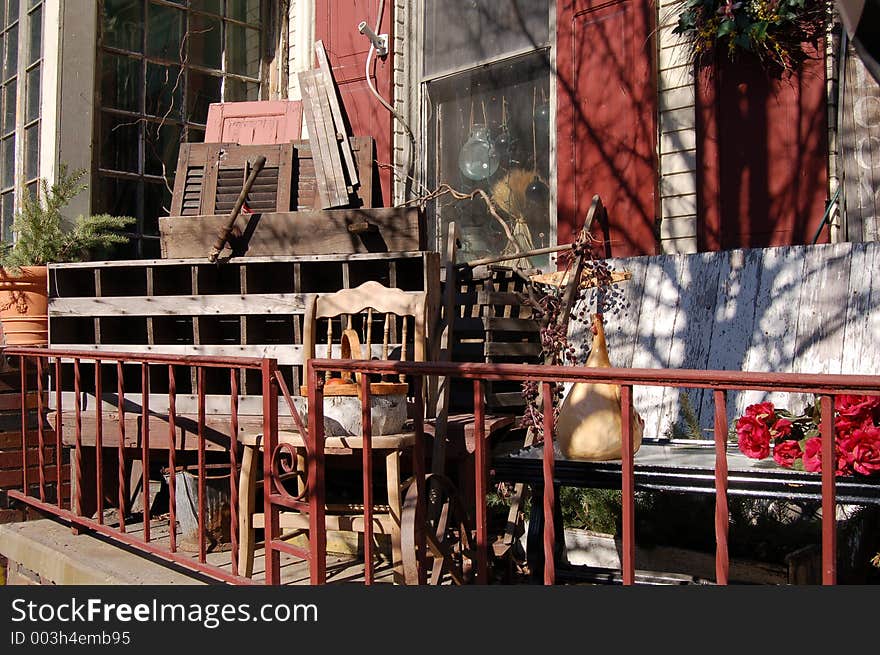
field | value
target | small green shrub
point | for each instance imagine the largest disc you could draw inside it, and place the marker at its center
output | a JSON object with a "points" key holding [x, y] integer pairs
{"points": [[41, 236]]}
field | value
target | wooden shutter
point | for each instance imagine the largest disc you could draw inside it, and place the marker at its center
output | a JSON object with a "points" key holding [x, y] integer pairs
{"points": [[210, 177]]}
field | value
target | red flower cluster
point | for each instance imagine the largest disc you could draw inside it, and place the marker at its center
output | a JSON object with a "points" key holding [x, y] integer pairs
{"points": [[796, 441]]}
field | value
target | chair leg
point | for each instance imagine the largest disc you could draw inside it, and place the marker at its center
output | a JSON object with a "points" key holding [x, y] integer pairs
{"points": [[395, 503], [247, 493]]}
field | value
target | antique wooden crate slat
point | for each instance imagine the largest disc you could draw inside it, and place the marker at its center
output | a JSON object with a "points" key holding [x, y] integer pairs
{"points": [[328, 131], [303, 232], [336, 111], [257, 303], [493, 325], [319, 121]]}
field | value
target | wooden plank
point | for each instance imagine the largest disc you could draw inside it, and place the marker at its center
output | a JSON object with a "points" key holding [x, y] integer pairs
{"points": [[306, 232], [185, 404], [698, 277], [622, 304], [327, 133], [823, 303], [495, 324], [198, 305], [735, 304], [524, 349], [336, 111], [320, 153], [338, 257], [285, 354], [860, 151], [254, 122], [328, 169], [861, 350], [655, 336], [777, 306], [180, 180]]}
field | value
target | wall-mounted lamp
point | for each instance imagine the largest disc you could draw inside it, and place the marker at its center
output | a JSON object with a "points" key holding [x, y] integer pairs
{"points": [[379, 41]]}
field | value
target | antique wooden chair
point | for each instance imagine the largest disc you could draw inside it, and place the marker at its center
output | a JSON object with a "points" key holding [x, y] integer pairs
{"points": [[391, 324]]}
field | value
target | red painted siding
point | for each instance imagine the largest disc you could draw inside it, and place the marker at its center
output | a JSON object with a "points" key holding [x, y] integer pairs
{"points": [[606, 121], [762, 156], [336, 24]]}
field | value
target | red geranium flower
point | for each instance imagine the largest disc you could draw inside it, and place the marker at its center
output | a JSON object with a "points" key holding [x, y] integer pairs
{"points": [[813, 457], [787, 453], [781, 429], [856, 408], [863, 450], [753, 437], [760, 410]]}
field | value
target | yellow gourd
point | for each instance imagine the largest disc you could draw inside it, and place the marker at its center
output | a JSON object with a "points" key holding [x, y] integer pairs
{"points": [[589, 425]]}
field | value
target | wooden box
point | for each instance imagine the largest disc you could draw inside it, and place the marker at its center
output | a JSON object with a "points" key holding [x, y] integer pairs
{"points": [[245, 307], [493, 325]]}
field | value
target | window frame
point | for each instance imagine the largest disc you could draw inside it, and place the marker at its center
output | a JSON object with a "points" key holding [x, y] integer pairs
{"points": [[424, 116], [22, 127], [145, 234]]}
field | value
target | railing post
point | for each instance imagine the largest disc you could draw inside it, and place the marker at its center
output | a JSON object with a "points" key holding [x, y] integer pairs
{"points": [[418, 454], [482, 576], [22, 367], [270, 443], [628, 486], [315, 466], [41, 438], [99, 443], [829, 499], [233, 468], [172, 462], [200, 382], [145, 449], [722, 516], [367, 460], [549, 487]]}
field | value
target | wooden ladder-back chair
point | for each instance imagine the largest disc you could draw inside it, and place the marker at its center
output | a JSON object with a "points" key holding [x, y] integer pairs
{"points": [[367, 322]]}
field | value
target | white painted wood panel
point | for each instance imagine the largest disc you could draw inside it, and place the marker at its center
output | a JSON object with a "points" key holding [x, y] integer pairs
{"points": [[809, 309]]}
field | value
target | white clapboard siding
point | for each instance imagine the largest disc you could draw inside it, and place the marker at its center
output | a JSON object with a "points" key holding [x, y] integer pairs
{"points": [[806, 309]]}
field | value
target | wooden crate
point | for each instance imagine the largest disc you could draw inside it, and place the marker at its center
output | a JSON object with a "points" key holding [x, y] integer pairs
{"points": [[493, 326], [248, 307], [312, 232]]}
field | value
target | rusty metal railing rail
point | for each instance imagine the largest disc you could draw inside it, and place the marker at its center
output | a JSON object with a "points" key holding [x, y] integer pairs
{"points": [[719, 382], [138, 431]]}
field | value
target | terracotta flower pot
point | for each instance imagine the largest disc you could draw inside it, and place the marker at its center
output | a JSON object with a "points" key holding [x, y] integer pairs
{"points": [[24, 306]]}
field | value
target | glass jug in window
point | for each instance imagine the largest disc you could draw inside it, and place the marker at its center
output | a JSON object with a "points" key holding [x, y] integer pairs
{"points": [[478, 158]]}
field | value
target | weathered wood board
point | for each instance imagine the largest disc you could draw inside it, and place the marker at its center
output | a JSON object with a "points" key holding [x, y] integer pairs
{"points": [[806, 309], [860, 151], [260, 122], [298, 233]]}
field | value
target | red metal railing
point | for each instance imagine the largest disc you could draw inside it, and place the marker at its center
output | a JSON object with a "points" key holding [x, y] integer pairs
{"points": [[719, 382], [144, 444], [278, 456]]}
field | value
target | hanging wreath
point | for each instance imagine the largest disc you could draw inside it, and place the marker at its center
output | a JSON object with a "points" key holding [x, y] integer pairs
{"points": [[774, 31]]}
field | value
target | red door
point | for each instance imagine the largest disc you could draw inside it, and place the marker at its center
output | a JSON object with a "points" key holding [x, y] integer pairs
{"points": [[763, 153], [336, 24], [607, 119]]}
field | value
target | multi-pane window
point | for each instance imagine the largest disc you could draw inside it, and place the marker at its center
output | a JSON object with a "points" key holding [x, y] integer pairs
{"points": [[21, 50], [487, 83], [161, 63]]}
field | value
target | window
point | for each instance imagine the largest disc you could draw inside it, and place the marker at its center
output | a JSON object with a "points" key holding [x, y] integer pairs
{"points": [[487, 86], [21, 50], [160, 64]]}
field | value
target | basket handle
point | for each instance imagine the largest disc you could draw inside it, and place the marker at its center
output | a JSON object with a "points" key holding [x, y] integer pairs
{"points": [[350, 346]]}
